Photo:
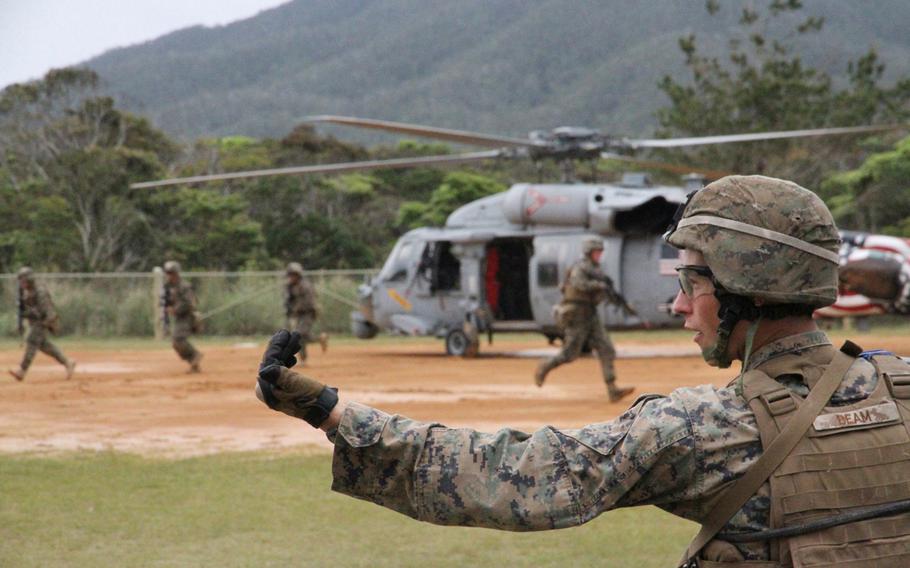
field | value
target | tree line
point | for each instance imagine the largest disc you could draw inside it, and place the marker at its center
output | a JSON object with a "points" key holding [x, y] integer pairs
{"points": [[68, 155]]}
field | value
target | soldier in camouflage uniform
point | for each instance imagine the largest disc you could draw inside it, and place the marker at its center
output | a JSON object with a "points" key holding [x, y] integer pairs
{"points": [[585, 287], [758, 256], [181, 317], [36, 307], [300, 308]]}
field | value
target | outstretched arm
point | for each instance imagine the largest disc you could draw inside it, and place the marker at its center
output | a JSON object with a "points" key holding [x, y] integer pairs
{"points": [[508, 479]]}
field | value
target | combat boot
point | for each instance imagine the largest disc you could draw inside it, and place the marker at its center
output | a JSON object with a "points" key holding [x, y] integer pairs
{"points": [[17, 374], [541, 374], [194, 363], [70, 369], [618, 393], [324, 341]]}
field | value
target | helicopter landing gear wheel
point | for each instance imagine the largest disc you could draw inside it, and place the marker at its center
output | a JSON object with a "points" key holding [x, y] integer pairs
{"points": [[460, 345]]}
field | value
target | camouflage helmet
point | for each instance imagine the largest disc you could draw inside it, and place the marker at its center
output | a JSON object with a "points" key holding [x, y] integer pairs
{"points": [[172, 266], [592, 244], [294, 268], [763, 238], [26, 273]]}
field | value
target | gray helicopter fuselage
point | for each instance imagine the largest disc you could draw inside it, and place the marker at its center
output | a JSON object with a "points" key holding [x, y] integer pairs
{"points": [[499, 261]]}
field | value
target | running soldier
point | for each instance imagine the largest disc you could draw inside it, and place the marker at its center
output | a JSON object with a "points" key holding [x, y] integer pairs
{"points": [[802, 460], [585, 287], [180, 316], [35, 307], [300, 308]]}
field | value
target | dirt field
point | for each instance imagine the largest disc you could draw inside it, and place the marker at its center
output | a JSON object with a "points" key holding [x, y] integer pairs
{"points": [[143, 401]]}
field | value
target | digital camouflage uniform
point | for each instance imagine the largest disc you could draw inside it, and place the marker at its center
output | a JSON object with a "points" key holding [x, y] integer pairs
{"points": [[770, 250], [585, 288], [38, 309], [182, 299], [300, 308], [678, 452]]}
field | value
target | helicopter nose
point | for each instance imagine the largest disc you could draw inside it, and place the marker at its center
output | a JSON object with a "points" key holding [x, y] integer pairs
{"points": [[365, 295], [362, 321]]}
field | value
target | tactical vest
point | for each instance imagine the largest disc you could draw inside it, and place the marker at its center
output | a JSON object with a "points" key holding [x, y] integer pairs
{"points": [[573, 295], [854, 459]]}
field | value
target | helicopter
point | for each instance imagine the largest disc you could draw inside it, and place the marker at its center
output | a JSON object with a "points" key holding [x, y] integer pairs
{"points": [[874, 276], [498, 262]]}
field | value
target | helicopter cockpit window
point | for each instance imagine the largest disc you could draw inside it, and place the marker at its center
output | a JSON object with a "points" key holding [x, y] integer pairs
{"points": [[547, 274], [440, 267], [396, 267]]}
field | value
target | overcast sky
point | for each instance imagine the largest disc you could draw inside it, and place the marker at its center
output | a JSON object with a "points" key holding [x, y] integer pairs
{"points": [[37, 35]]}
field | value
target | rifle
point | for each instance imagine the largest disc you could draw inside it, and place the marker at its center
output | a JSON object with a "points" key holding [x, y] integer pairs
{"points": [[165, 303], [614, 297], [626, 307], [20, 309], [287, 299], [618, 299]]}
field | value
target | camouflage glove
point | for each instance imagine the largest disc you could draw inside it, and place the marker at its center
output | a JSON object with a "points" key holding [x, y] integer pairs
{"points": [[286, 391]]}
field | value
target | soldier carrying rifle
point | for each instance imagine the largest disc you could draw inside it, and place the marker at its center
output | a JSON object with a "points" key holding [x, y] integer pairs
{"points": [[35, 307], [300, 308], [585, 287], [180, 316]]}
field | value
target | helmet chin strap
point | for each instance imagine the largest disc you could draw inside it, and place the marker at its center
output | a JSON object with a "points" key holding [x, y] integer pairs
{"points": [[750, 339], [716, 353], [732, 309]]}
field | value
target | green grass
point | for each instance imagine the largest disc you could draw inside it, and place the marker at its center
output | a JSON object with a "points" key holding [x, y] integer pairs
{"points": [[269, 510]]}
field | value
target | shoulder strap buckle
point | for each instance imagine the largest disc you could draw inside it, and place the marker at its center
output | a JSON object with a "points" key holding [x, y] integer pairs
{"points": [[894, 370], [779, 401]]}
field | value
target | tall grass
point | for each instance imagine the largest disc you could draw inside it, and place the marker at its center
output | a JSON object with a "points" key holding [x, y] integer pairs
{"points": [[127, 307]]}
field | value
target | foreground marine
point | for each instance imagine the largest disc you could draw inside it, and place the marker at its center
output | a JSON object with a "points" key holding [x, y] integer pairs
{"points": [[37, 308], [802, 460], [585, 287]]}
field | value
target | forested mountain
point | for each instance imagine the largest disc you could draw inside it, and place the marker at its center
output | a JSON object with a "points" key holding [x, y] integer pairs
{"points": [[505, 66]]}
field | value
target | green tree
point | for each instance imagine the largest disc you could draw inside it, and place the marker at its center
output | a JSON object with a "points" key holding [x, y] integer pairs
{"points": [[37, 228], [60, 139], [303, 145], [763, 85], [410, 183], [876, 196], [317, 242], [456, 189], [205, 229]]}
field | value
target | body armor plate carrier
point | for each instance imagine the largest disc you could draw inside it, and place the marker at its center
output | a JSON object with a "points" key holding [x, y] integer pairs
{"points": [[851, 470]]}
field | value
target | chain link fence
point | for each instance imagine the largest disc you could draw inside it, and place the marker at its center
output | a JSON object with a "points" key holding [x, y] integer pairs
{"points": [[125, 304]]}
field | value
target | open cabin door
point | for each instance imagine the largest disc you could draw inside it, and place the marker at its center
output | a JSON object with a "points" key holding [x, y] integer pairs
{"points": [[506, 279]]}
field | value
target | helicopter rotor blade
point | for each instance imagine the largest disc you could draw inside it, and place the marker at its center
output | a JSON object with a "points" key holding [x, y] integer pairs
{"points": [[676, 168], [333, 168], [754, 136], [460, 136]]}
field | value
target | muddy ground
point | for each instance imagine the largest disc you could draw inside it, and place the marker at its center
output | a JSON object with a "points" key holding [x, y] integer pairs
{"points": [[143, 400]]}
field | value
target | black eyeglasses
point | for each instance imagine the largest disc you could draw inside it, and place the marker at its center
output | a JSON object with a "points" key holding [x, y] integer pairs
{"points": [[686, 273]]}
